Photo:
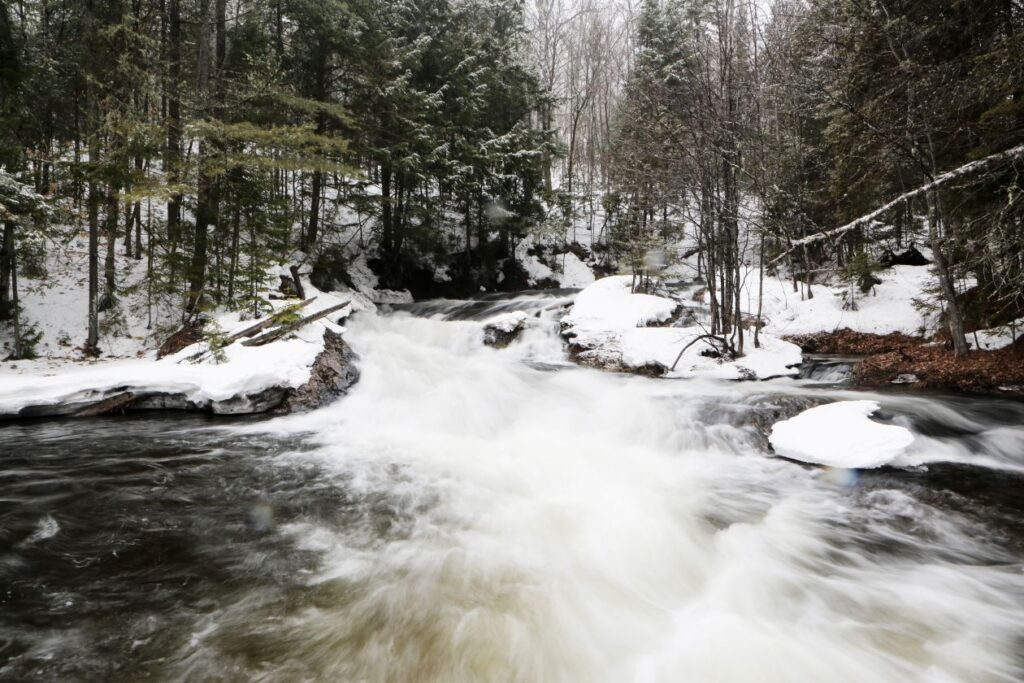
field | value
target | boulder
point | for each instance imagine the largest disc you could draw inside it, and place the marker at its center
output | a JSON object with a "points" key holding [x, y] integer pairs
{"points": [[502, 330], [333, 374], [911, 257]]}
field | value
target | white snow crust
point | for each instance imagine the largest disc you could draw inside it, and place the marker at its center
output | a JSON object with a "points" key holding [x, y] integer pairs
{"points": [[840, 435]]}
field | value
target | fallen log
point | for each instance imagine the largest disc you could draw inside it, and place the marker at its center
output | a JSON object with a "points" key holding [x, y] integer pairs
{"points": [[269, 321], [118, 403], [274, 335], [937, 182]]}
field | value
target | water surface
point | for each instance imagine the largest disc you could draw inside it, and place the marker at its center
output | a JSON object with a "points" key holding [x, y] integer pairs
{"points": [[467, 514]]}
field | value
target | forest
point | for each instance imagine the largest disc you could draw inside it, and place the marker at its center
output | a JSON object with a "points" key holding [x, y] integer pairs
{"points": [[213, 138]]}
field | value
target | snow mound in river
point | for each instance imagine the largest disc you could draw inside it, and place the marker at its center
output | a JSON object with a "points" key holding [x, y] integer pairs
{"points": [[840, 435]]}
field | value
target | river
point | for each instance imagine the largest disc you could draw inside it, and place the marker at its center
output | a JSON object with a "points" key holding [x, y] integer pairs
{"points": [[470, 514]]}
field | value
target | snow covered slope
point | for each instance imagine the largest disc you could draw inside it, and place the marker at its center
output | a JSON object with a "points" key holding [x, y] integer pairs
{"points": [[888, 308], [613, 327], [225, 385]]}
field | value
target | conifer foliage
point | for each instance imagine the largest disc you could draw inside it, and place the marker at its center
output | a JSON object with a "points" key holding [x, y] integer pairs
{"points": [[212, 138]]}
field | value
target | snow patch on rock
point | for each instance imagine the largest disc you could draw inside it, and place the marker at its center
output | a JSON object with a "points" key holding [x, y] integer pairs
{"points": [[367, 284], [610, 304], [507, 322], [840, 435]]}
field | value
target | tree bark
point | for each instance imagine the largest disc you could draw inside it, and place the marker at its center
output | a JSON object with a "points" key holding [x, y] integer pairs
{"points": [[110, 263], [19, 350], [172, 154], [309, 239], [6, 260], [92, 340], [942, 269]]}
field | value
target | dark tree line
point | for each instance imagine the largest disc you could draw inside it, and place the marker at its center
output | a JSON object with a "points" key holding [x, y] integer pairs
{"points": [[213, 138], [806, 119]]}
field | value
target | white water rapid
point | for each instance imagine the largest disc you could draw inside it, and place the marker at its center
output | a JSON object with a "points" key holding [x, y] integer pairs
{"points": [[538, 524]]}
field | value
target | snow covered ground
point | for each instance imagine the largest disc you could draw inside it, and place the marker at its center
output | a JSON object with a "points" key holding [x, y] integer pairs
{"points": [[840, 435], [56, 305], [614, 326], [997, 337], [889, 307], [213, 379]]}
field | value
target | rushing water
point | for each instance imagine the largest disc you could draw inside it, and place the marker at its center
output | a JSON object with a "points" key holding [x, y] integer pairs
{"points": [[467, 514]]}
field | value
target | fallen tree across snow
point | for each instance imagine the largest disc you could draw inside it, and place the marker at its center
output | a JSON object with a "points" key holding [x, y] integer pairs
{"points": [[940, 180]]}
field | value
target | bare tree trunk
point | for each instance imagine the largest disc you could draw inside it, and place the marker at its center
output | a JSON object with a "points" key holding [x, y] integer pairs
{"points": [[206, 201], [92, 340], [19, 350], [953, 315], [172, 154], [233, 270], [110, 262], [760, 295], [6, 260], [310, 237]]}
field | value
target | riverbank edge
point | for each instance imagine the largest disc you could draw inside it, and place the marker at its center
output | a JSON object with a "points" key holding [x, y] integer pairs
{"points": [[914, 362], [332, 373]]}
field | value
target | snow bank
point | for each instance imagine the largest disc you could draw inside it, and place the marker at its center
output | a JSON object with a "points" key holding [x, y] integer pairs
{"points": [[575, 273], [644, 346], [840, 435], [998, 337], [244, 371], [610, 322], [609, 304], [888, 308]]}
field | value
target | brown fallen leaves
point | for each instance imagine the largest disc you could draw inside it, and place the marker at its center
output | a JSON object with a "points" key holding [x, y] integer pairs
{"points": [[936, 367], [846, 342], [887, 356]]}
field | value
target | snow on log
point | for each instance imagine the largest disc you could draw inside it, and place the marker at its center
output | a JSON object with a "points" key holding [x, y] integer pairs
{"points": [[285, 330], [840, 435]]}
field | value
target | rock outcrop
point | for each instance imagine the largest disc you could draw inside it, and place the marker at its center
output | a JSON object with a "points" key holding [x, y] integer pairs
{"points": [[332, 374], [504, 329]]}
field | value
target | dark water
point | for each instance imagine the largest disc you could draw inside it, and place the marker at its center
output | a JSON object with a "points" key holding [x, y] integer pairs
{"points": [[117, 536]]}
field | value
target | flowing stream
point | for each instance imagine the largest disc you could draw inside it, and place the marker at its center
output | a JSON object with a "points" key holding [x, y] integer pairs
{"points": [[471, 514]]}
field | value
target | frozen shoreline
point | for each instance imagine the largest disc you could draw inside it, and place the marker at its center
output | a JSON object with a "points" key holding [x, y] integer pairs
{"points": [[242, 380]]}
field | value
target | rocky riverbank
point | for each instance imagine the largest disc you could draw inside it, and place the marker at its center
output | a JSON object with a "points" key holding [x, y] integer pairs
{"points": [[900, 359], [293, 360]]}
